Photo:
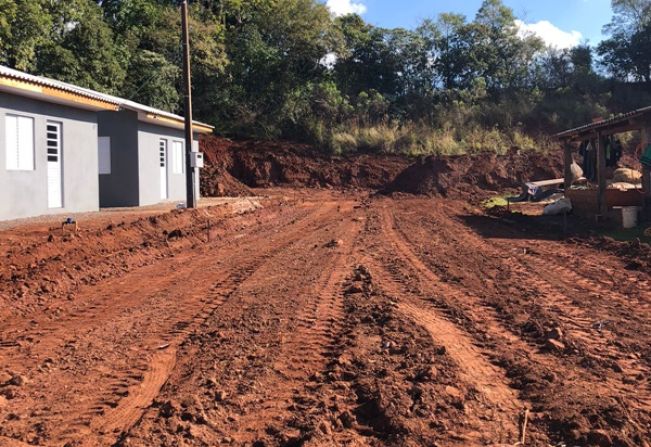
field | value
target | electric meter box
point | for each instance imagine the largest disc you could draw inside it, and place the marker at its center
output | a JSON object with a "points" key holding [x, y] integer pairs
{"points": [[196, 159]]}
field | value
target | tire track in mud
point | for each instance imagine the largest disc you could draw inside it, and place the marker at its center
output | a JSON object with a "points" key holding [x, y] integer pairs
{"points": [[579, 307], [500, 404], [497, 400], [140, 396], [130, 392], [130, 409], [574, 385], [305, 350], [298, 340]]}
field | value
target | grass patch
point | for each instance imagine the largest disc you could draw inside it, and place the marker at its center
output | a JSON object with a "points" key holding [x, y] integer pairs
{"points": [[418, 140], [494, 202]]}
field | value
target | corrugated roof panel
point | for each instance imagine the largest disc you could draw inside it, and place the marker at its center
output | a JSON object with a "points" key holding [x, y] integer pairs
{"points": [[92, 94], [604, 123], [52, 83]]}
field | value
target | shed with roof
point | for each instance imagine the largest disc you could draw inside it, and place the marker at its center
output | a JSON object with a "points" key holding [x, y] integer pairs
{"points": [[602, 196]]}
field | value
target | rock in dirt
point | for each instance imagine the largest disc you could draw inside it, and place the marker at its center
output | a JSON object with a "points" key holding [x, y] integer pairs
{"points": [[555, 334], [555, 345], [325, 428], [334, 243], [169, 408], [17, 380], [599, 438], [5, 377], [354, 288], [175, 234], [453, 392]]}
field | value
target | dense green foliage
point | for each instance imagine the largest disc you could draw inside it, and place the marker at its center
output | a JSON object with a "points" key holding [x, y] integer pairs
{"points": [[288, 68]]}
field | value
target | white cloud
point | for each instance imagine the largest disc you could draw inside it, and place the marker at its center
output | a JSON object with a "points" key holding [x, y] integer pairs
{"points": [[550, 34], [343, 7]]}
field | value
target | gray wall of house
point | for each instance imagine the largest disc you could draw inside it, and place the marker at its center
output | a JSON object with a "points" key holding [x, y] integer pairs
{"points": [[149, 137], [25, 193], [120, 187], [135, 178]]}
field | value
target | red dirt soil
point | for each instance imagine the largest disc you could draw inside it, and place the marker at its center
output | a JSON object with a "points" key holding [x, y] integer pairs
{"points": [[464, 176], [234, 166], [323, 318], [260, 164]]}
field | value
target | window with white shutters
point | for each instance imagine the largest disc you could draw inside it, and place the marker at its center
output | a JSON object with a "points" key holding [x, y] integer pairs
{"points": [[19, 143], [177, 157]]}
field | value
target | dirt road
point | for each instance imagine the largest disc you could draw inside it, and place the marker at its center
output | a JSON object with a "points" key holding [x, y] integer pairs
{"points": [[321, 319]]}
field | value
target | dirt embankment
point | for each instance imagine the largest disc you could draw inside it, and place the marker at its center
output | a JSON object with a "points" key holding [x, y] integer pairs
{"points": [[232, 166], [461, 176]]}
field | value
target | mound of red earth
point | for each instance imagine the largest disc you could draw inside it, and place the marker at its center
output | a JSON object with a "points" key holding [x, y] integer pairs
{"points": [[458, 176], [232, 166], [216, 181]]}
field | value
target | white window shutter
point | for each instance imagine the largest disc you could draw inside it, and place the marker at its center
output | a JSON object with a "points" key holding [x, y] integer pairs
{"points": [[19, 141], [26, 143]]}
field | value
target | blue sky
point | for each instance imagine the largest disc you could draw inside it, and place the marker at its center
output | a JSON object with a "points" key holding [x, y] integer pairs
{"points": [[560, 22]]}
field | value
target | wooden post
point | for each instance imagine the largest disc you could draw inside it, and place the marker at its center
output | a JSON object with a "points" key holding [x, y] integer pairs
{"points": [[646, 171], [601, 175], [567, 151], [191, 174]]}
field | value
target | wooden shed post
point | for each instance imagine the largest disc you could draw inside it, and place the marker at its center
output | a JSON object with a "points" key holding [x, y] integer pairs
{"points": [[567, 157], [601, 175], [646, 171]]}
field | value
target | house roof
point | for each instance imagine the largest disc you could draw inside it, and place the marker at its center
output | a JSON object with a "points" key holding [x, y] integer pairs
{"points": [[51, 90], [616, 124]]}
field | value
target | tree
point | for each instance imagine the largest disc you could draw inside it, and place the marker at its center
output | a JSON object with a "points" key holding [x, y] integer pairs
{"points": [[8, 9], [498, 53], [629, 17], [26, 26], [83, 50], [152, 79], [451, 51], [625, 55]]}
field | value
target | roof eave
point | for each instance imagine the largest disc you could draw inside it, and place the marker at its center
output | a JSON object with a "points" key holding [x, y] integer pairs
{"points": [[54, 95], [623, 123], [175, 123]]}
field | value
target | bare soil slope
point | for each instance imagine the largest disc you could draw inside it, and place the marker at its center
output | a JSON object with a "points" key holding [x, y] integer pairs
{"points": [[462, 176], [265, 164], [234, 166]]}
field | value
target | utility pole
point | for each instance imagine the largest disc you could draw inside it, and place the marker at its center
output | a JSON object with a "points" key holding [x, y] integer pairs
{"points": [[191, 173]]}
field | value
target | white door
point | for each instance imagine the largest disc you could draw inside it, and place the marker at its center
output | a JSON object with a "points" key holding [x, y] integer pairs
{"points": [[54, 166], [163, 168]]}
